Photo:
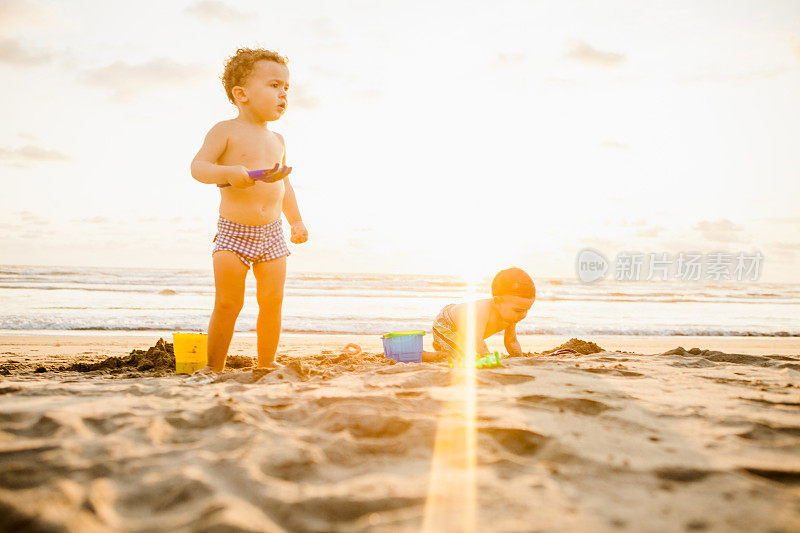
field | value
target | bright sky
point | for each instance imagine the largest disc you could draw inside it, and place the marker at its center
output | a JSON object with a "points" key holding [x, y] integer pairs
{"points": [[443, 137]]}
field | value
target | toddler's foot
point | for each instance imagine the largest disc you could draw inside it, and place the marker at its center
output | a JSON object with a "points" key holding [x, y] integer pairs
{"points": [[202, 377], [261, 371]]}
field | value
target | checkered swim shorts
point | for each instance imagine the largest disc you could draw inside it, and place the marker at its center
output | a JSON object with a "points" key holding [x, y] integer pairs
{"points": [[251, 244], [446, 337]]}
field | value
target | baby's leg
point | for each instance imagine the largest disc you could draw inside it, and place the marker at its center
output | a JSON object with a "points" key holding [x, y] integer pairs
{"points": [[447, 343], [270, 278], [435, 357], [229, 277]]}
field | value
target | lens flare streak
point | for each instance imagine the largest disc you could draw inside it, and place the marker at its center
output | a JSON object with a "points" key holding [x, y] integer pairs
{"points": [[451, 504]]}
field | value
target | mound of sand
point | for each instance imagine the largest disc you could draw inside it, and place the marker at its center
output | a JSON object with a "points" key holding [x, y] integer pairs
{"points": [[582, 347], [157, 358], [239, 361], [160, 359], [716, 356]]}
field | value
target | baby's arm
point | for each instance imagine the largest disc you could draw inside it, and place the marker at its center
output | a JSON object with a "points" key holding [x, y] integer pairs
{"points": [[511, 342], [204, 165], [290, 208]]}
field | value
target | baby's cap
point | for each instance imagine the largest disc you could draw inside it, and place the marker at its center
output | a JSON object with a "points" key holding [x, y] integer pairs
{"points": [[513, 282]]}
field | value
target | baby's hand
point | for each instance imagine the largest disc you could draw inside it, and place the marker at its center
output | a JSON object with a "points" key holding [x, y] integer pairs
{"points": [[239, 178], [514, 349], [299, 233], [276, 173]]}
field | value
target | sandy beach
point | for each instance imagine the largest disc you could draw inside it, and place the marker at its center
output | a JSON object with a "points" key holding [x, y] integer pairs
{"points": [[642, 436], [614, 184]]}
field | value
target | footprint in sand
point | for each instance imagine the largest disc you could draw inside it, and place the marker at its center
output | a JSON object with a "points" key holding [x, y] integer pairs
{"points": [[333, 509], [213, 416], [397, 376], [502, 378], [582, 406], [515, 440], [27, 453], [731, 381], [697, 362], [293, 461], [104, 426], [44, 426], [22, 468], [786, 477], [681, 474], [411, 394], [612, 372], [737, 358], [767, 433], [349, 429], [166, 495], [15, 416], [365, 424], [17, 477], [288, 411], [764, 401]]}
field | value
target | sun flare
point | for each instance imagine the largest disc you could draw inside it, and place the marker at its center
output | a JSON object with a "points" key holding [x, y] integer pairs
{"points": [[452, 491]]}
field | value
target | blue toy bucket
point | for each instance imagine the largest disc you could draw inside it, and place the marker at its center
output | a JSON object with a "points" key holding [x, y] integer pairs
{"points": [[403, 347]]}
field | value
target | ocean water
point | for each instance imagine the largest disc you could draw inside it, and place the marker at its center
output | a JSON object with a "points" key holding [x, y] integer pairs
{"points": [[68, 299]]}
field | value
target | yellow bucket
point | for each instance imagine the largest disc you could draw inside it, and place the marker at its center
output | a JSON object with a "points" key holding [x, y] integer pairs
{"points": [[190, 351]]}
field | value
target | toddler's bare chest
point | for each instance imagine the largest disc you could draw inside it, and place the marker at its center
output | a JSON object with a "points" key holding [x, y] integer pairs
{"points": [[254, 153]]}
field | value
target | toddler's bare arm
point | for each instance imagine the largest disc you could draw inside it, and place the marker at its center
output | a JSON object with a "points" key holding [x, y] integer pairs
{"points": [[204, 165], [290, 208], [511, 342]]}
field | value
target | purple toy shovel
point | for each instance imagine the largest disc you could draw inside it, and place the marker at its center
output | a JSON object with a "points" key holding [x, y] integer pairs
{"points": [[267, 175]]}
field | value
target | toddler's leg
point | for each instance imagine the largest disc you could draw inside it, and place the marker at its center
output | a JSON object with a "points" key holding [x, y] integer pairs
{"points": [[434, 357], [270, 278], [229, 277]]}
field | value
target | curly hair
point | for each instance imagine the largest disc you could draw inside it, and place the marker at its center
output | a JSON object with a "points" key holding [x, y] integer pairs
{"points": [[239, 66]]}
